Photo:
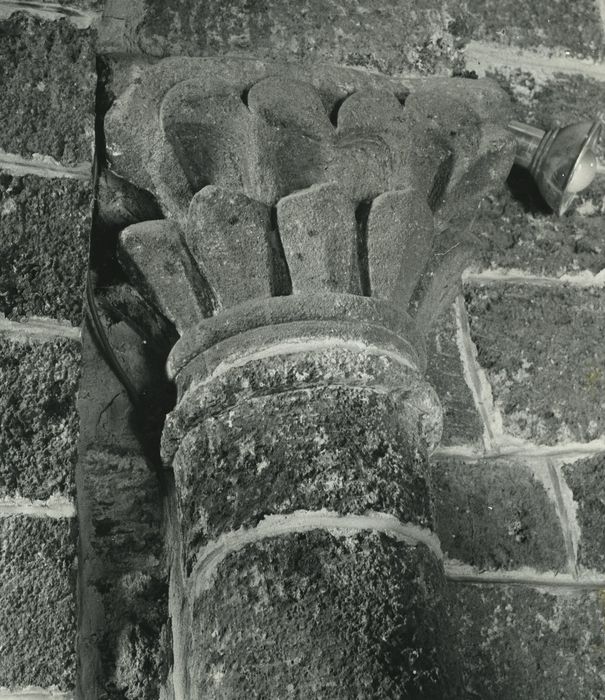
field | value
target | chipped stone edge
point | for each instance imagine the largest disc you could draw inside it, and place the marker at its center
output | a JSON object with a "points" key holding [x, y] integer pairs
{"points": [[38, 328], [584, 279], [216, 551], [80, 18], [42, 165], [483, 56], [57, 507], [476, 378], [36, 693]]}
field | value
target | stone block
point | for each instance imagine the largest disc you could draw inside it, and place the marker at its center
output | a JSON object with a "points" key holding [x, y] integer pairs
{"points": [[542, 349], [39, 435], [323, 616], [37, 602], [388, 37], [43, 247], [344, 449], [585, 479], [569, 28], [48, 87], [515, 227], [461, 422], [521, 642], [494, 514]]}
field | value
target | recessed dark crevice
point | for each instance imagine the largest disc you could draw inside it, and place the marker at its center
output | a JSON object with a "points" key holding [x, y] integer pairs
{"points": [[524, 189], [281, 282], [362, 213], [440, 182], [335, 109]]}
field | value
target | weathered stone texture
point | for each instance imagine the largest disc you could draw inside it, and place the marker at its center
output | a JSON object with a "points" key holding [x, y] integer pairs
{"points": [[343, 449], [461, 423], [520, 642], [47, 81], [43, 247], [387, 36], [318, 615], [37, 602], [494, 514], [586, 479], [543, 351], [38, 418], [570, 28]]}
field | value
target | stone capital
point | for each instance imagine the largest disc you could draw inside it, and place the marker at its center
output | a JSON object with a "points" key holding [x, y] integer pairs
{"points": [[316, 222]]}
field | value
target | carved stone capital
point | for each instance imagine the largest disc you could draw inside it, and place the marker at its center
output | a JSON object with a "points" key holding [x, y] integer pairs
{"points": [[317, 223]]}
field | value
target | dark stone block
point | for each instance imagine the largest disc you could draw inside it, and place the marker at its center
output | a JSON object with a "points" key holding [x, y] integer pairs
{"points": [[389, 37], [39, 425], [543, 351], [493, 514], [47, 81], [43, 247], [519, 642], [318, 615], [37, 602], [573, 28], [461, 423], [586, 479]]}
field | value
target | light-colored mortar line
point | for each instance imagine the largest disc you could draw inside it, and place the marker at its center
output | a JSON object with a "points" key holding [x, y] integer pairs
{"points": [[43, 166], [270, 526], [582, 279], [475, 377], [38, 329], [35, 693], [465, 573], [485, 56], [81, 18], [568, 452], [56, 507]]}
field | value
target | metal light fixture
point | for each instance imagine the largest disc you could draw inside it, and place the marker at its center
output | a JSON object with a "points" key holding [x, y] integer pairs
{"points": [[562, 161]]}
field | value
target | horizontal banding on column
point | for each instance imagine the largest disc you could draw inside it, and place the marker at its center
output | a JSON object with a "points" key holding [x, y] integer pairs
{"points": [[295, 309], [294, 339], [201, 578], [314, 368]]}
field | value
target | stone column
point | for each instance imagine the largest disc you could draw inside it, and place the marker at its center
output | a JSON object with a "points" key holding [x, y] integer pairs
{"points": [[317, 227]]}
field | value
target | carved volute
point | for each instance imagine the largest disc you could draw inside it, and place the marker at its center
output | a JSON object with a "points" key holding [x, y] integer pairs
{"points": [[317, 223]]}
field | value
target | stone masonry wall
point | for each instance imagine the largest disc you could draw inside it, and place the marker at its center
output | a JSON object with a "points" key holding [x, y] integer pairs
{"points": [[47, 95], [518, 362]]}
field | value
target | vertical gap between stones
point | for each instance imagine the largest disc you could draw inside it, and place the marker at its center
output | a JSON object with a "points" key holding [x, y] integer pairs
{"points": [[281, 281], [362, 214]]}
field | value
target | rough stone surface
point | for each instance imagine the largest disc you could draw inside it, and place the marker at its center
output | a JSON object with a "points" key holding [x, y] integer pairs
{"points": [[47, 80], [38, 418], [390, 37], [570, 28], [318, 231], [543, 351], [228, 236], [37, 602], [461, 423], [493, 514], [343, 449], [585, 479], [45, 226], [314, 615], [516, 228], [520, 642]]}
